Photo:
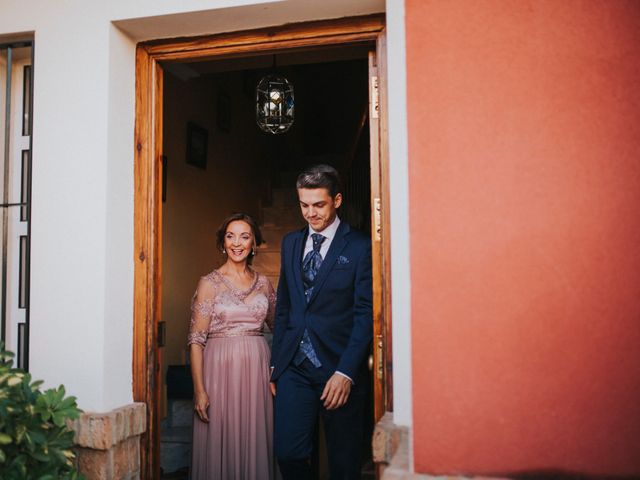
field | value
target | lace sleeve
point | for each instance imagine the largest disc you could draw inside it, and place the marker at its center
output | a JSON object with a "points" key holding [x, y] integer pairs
{"points": [[201, 312], [271, 310]]}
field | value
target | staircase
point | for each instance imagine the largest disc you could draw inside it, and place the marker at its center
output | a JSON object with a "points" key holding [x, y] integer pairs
{"points": [[175, 445], [282, 217]]}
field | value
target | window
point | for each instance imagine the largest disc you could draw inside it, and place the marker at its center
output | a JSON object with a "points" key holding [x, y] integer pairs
{"points": [[16, 101]]}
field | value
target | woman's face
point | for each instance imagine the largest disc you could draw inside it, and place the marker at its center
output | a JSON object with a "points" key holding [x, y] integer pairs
{"points": [[238, 241]]}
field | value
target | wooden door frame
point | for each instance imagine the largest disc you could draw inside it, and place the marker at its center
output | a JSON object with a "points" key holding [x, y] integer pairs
{"points": [[380, 230], [148, 175]]}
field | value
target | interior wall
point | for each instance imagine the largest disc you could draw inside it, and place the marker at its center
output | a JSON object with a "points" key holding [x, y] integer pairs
{"points": [[524, 188], [197, 200]]}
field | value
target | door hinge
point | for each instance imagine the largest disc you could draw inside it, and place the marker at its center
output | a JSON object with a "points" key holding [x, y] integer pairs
{"points": [[379, 352], [377, 219], [375, 97]]}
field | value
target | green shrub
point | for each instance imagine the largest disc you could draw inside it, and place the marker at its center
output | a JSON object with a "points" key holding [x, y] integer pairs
{"points": [[35, 442]]}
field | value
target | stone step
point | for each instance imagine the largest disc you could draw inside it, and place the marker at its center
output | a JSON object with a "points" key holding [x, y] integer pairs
{"points": [[176, 434], [180, 413], [175, 448]]}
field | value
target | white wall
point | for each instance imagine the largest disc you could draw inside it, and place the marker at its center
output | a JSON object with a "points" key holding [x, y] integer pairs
{"points": [[82, 225], [118, 325], [69, 235], [399, 193]]}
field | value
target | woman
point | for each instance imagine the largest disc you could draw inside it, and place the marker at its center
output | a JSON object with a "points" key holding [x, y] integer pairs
{"points": [[233, 423]]}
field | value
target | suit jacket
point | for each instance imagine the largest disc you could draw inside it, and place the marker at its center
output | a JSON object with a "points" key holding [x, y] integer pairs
{"points": [[338, 316]]}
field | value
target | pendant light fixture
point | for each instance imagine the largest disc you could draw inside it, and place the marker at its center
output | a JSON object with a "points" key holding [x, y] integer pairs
{"points": [[274, 103]]}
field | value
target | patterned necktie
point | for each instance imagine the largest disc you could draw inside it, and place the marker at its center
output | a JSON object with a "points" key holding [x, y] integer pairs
{"points": [[310, 266]]}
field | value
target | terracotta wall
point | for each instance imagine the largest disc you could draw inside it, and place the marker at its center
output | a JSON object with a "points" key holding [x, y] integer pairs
{"points": [[524, 151]]}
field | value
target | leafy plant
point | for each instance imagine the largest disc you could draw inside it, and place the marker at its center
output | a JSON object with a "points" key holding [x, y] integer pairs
{"points": [[35, 442]]}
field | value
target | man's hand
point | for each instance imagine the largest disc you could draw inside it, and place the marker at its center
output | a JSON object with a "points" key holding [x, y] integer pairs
{"points": [[336, 391], [272, 385]]}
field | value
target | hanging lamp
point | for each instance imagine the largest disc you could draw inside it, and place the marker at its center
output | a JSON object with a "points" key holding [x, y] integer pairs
{"points": [[274, 103]]}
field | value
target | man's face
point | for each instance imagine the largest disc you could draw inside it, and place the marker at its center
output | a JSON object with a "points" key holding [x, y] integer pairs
{"points": [[318, 207]]}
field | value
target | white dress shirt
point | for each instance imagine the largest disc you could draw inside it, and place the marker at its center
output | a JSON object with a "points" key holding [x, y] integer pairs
{"points": [[328, 233]]}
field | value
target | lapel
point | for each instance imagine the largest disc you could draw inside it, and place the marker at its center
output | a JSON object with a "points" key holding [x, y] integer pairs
{"points": [[298, 247], [337, 245]]}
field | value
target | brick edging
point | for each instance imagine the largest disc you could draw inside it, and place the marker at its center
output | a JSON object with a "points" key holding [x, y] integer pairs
{"points": [[102, 431], [108, 444], [386, 439]]}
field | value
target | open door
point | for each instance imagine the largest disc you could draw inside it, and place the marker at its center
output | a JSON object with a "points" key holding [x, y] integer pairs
{"points": [[381, 358]]}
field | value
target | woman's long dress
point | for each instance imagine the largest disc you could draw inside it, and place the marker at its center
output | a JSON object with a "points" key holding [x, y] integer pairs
{"points": [[236, 444]]}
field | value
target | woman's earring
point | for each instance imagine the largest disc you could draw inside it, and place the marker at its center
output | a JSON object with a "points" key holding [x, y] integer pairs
{"points": [[253, 251], [224, 252]]}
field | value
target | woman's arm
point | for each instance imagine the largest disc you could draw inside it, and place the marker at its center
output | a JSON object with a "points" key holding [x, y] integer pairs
{"points": [[201, 311], [200, 397]]}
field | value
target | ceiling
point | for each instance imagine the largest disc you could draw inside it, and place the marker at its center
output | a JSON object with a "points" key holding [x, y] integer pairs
{"points": [[187, 71]]}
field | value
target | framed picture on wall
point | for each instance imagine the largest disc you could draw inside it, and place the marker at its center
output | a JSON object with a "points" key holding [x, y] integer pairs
{"points": [[196, 145], [224, 113]]}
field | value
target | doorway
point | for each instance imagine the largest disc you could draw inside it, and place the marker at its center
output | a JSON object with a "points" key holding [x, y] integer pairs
{"points": [[208, 87], [251, 171]]}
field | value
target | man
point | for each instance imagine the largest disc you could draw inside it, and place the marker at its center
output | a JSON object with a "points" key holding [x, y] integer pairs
{"points": [[323, 330]]}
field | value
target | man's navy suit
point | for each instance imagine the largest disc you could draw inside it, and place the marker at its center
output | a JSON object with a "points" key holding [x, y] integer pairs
{"points": [[338, 319]]}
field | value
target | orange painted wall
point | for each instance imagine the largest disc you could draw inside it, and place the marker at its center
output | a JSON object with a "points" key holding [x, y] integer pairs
{"points": [[524, 161]]}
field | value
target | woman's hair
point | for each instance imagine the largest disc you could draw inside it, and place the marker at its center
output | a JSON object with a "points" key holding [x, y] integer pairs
{"points": [[248, 219], [321, 176]]}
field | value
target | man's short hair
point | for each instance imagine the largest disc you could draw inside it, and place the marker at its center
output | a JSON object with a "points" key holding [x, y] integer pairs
{"points": [[321, 176]]}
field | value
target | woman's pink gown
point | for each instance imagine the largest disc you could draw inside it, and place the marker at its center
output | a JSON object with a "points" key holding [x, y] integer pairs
{"points": [[236, 444]]}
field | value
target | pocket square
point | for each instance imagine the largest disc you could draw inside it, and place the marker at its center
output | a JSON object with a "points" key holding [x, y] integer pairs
{"points": [[343, 260]]}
